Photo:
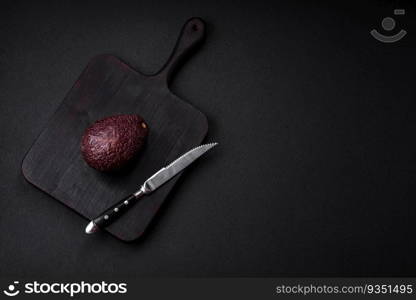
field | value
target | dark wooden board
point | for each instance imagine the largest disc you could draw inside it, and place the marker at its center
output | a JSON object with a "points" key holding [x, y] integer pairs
{"points": [[106, 87]]}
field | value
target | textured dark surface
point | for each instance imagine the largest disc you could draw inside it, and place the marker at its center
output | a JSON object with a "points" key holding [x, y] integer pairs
{"points": [[109, 87], [315, 173]]}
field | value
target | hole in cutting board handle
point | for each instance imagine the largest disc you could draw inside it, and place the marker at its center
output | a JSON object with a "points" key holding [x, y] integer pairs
{"points": [[191, 36]]}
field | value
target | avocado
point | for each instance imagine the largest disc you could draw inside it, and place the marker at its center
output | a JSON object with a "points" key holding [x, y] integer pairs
{"points": [[112, 142]]}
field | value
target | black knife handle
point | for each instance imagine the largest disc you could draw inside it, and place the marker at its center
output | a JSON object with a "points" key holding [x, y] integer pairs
{"points": [[115, 211]]}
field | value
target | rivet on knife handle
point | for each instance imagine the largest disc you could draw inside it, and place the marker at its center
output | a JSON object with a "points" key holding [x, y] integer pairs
{"points": [[111, 214], [151, 184]]}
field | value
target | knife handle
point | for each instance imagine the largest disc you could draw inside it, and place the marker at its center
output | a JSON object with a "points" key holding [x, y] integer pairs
{"points": [[113, 213]]}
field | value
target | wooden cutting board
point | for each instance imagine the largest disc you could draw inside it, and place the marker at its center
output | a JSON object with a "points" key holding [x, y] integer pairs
{"points": [[108, 86]]}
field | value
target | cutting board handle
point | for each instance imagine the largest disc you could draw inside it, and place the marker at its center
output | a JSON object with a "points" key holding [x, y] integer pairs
{"points": [[192, 34]]}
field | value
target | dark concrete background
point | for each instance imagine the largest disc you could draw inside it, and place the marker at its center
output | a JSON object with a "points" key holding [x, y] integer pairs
{"points": [[315, 173]]}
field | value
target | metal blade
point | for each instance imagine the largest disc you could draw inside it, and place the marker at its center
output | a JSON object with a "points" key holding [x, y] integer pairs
{"points": [[168, 172]]}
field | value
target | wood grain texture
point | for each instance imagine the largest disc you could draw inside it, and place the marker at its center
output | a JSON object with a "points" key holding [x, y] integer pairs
{"points": [[108, 86]]}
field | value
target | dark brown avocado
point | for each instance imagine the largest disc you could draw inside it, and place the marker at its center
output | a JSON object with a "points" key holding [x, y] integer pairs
{"points": [[110, 143]]}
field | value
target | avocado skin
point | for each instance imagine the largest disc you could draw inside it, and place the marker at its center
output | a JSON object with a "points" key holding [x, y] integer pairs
{"points": [[110, 143]]}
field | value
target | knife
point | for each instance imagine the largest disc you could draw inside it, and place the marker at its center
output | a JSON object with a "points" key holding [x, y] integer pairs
{"points": [[150, 185]]}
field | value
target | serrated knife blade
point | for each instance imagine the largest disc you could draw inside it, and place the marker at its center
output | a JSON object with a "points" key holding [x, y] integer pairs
{"points": [[151, 184]]}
